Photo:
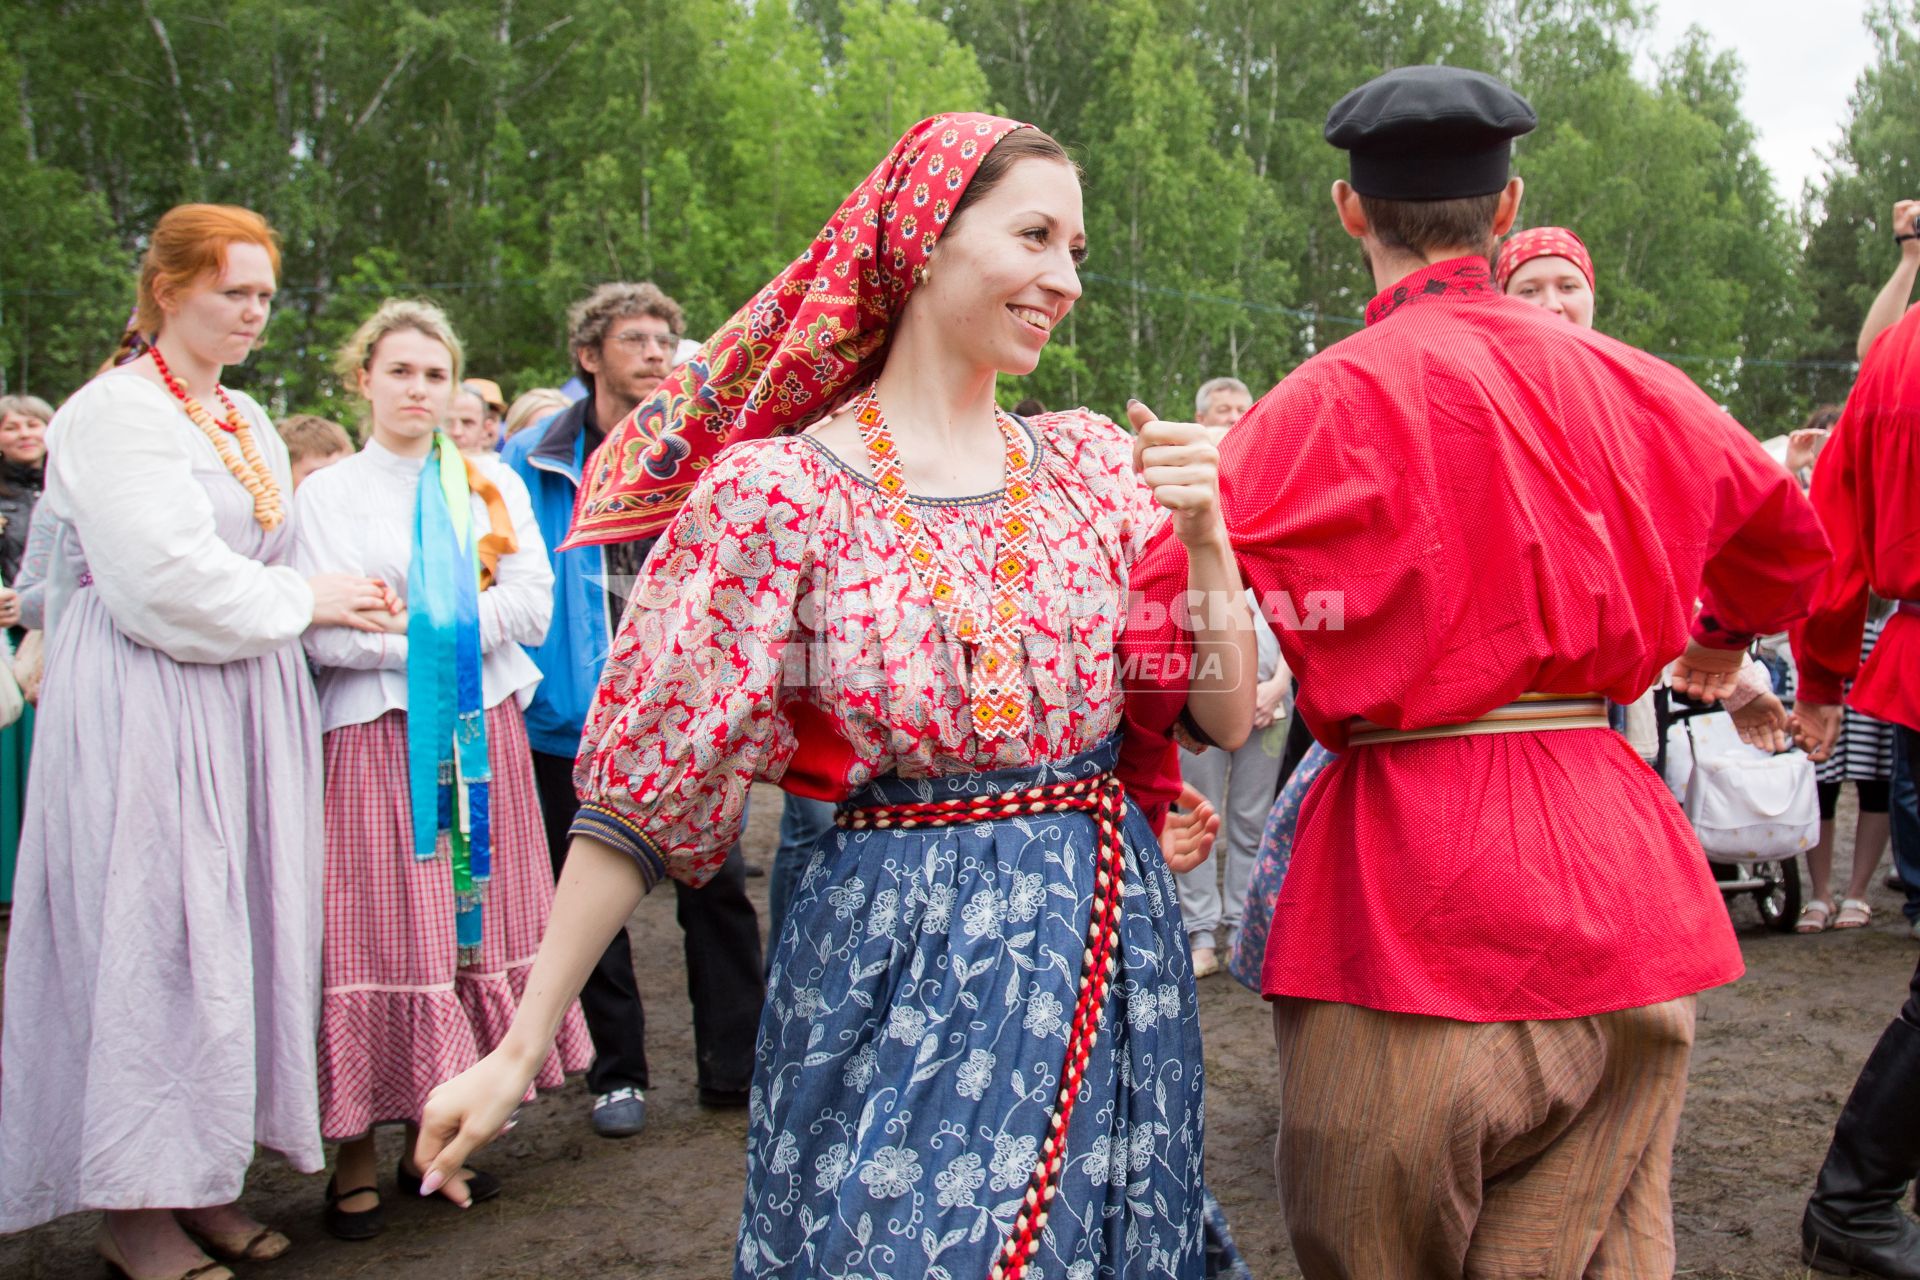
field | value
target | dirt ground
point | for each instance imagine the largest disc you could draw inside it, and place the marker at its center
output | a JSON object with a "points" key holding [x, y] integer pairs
{"points": [[1776, 1055]]}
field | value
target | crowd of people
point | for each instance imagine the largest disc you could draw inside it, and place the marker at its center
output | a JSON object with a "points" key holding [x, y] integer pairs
{"points": [[356, 750]]}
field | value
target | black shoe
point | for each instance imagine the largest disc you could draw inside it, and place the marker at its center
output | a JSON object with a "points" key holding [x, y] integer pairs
{"points": [[481, 1186], [1854, 1224], [364, 1224], [724, 1099], [1894, 882], [755, 869]]}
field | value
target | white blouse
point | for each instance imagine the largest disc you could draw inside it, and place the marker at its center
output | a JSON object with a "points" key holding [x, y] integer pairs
{"points": [[132, 477], [357, 517]]}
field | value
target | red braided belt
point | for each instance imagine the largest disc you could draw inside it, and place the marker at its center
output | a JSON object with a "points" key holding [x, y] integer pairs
{"points": [[1104, 798]]}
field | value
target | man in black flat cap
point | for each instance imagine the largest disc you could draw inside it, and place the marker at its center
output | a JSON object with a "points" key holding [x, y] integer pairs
{"points": [[1486, 949]]}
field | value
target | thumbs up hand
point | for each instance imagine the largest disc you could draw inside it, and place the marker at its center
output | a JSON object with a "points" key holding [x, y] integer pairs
{"points": [[1180, 463]]}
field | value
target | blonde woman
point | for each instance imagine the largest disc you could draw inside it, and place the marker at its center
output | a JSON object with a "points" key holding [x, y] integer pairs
{"points": [[532, 406], [437, 886]]}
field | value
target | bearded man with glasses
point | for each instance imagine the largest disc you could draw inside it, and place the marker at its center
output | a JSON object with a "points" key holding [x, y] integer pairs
{"points": [[624, 338]]}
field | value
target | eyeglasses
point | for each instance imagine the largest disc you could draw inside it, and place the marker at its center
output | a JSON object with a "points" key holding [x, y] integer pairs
{"points": [[668, 342]]}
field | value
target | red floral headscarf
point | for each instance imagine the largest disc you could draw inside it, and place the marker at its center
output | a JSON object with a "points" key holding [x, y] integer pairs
{"points": [[793, 352], [1541, 242]]}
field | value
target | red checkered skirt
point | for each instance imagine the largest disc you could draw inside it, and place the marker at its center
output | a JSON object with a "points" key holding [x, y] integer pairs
{"points": [[398, 1015]]}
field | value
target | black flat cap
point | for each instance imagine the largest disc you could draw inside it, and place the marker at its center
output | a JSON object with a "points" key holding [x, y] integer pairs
{"points": [[1429, 133]]}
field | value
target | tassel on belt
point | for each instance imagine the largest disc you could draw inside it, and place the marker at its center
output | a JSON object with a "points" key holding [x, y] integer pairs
{"points": [[1104, 799], [1529, 713]]}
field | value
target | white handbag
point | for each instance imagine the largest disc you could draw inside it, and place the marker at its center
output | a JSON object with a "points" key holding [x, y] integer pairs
{"points": [[1749, 806]]}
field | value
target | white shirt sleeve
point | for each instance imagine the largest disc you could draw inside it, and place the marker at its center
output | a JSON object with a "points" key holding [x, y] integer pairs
{"points": [[519, 604], [327, 540], [122, 464]]}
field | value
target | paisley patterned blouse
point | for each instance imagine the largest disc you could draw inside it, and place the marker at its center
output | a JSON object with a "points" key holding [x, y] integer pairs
{"points": [[778, 633]]}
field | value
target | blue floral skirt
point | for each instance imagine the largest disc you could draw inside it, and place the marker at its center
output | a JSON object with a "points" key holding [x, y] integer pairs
{"points": [[912, 1047]]}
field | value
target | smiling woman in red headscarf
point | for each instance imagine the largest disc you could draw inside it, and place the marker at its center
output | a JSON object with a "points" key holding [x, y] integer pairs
{"points": [[1551, 268], [876, 587]]}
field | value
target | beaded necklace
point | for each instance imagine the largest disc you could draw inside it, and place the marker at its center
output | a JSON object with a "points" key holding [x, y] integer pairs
{"points": [[999, 700], [247, 466]]}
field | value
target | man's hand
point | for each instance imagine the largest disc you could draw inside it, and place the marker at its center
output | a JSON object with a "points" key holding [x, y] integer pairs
{"points": [[1904, 212], [1763, 723], [1705, 674], [1816, 727], [1187, 839]]}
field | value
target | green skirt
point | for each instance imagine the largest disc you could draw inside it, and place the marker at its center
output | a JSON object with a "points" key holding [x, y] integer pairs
{"points": [[16, 747]]}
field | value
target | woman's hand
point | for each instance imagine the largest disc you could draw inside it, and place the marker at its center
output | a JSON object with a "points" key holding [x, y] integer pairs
{"points": [[347, 600], [1763, 723], [599, 888], [9, 607], [1270, 700], [1803, 448], [465, 1114], [1180, 463], [1187, 838]]}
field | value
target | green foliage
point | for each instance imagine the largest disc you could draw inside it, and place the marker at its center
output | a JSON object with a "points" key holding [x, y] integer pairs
{"points": [[1850, 249], [65, 280], [502, 156]]}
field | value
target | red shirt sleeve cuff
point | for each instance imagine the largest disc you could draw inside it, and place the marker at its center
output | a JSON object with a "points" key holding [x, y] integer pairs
{"points": [[1817, 688], [1710, 632]]}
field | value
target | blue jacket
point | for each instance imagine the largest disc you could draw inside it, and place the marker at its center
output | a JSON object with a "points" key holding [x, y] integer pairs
{"points": [[549, 456]]}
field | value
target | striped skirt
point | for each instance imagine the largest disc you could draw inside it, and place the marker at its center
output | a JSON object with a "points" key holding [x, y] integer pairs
{"points": [[398, 1014], [915, 1043]]}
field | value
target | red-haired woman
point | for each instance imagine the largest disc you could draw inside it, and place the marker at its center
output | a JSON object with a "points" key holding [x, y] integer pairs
{"points": [[163, 971]]}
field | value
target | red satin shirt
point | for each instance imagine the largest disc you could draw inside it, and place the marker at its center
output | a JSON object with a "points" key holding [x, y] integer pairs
{"points": [[1866, 488], [1468, 500]]}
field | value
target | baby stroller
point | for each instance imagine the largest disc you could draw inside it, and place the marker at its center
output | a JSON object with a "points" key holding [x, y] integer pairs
{"points": [[1784, 825]]}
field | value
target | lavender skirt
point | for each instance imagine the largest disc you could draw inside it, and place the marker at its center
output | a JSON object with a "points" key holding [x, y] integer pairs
{"points": [[163, 968]]}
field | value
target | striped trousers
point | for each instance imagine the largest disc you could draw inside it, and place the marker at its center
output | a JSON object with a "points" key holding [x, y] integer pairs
{"points": [[1416, 1147]]}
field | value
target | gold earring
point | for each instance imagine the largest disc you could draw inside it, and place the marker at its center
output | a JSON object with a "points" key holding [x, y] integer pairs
{"points": [[921, 274]]}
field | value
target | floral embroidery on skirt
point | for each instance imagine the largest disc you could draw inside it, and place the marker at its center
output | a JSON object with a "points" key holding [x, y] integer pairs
{"points": [[1270, 869], [912, 1044]]}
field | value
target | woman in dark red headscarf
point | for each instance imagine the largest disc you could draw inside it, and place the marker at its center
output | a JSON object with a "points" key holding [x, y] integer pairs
{"points": [[980, 1051], [1551, 268]]}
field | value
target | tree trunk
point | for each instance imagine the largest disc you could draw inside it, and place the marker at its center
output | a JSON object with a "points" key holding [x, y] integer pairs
{"points": [[187, 131]]}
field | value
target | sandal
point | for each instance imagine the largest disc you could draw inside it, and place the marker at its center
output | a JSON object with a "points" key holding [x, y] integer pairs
{"points": [[354, 1224], [1854, 914], [109, 1250], [263, 1244], [1814, 916]]}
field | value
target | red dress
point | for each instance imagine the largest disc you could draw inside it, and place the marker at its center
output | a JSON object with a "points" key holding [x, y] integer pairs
{"points": [[1867, 491], [1469, 500]]}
